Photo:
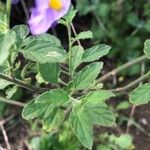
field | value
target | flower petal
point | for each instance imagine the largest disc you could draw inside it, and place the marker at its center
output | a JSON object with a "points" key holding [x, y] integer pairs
{"points": [[42, 17]]}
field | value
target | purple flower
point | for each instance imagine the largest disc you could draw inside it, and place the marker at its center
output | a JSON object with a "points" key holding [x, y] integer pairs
{"points": [[46, 13], [15, 1]]}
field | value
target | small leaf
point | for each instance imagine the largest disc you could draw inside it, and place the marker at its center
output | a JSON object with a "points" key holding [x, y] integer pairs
{"points": [[54, 120], [83, 35], [124, 141], [76, 57], [6, 42], [10, 92], [141, 95], [147, 48], [95, 52], [70, 15], [86, 77], [82, 126], [49, 72], [123, 105], [21, 33]]}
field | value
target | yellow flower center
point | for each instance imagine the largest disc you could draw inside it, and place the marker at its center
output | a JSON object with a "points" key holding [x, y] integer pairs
{"points": [[55, 4]]}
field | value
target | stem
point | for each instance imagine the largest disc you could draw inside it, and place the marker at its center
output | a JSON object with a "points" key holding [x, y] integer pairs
{"points": [[25, 9], [125, 66], [11, 102], [75, 33], [134, 106], [64, 72], [70, 53], [23, 84], [130, 117], [5, 137], [8, 10], [132, 84]]}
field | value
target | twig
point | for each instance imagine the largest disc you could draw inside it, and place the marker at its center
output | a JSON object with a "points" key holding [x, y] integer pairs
{"points": [[134, 106], [130, 117], [132, 84], [125, 66], [25, 9], [64, 72], [75, 33], [23, 84], [11, 102], [2, 148], [5, 137]]}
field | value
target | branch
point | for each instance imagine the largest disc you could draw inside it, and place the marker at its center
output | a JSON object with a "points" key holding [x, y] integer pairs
{"points": [[12, 102], [132, 84], [23, 84], [5, 137], [134, 106], [125, 66], [75, 33]]}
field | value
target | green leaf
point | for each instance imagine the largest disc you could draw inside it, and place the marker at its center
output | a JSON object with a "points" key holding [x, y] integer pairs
{"points": [[141, 95], [49, 72], [124, 141], [53, 121], [98, 97], [21, 33], [82, 126], [83, 35], [95, 52], [49, 38], [33, 110], [54, 97], [103, 147], [100, 114], [3, 23], [94, 103], [11, 91], [123, 105], [45, 104], [44, 52], [4, 70], [147, 48], [6, 42], [86, 77], [70, 15], [76, 57], [4, 84]]}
